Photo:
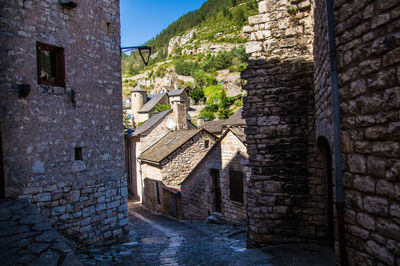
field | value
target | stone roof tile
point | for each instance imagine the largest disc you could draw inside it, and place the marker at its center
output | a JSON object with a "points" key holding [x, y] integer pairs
{"points": [[167, 145], [151, 122]]}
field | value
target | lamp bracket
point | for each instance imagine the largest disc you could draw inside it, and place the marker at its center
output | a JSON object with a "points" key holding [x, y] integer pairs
{"points": [[140, 48]]}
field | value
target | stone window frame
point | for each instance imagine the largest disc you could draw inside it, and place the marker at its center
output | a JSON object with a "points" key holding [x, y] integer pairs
{"points": [[60, 64], [236, 191]]}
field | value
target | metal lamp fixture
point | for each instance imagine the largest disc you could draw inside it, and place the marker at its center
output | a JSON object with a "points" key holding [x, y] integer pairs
{"points": [[144, 51]]}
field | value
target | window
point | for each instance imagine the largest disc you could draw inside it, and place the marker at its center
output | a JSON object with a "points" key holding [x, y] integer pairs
{"points": [[236, 185], [78, 154], [206, 144], [158, 193], [50, 65]]}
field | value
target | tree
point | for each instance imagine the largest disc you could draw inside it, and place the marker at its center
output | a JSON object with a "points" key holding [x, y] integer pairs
{"points": [[223, 60], [214, 94], [197, 95], [226, 13], [234, 2], [239, 17], [127, 120], [241, 54], [185, 68], [223, 107]]}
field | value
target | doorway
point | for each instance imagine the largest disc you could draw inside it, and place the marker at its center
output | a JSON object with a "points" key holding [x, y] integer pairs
{"points": [[326, 158], [217, 190]]}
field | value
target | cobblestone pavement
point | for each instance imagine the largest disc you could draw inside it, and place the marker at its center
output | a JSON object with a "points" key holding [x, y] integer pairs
{"points": [[26, 238], [159, 240]]}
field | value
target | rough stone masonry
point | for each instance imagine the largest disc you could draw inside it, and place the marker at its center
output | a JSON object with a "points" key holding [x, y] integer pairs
{"points": [[288, 112], [63, 146]]}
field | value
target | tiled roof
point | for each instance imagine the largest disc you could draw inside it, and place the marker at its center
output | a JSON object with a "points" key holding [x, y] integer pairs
{"points": [[169, 88], [151, 122], [139, 88], [149, 106], [236, 119], [217, 126], [175, 92], [168, 145], [213, 126], [239, 133]]}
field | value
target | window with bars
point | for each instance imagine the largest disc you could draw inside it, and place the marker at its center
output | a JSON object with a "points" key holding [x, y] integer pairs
{"points": [[236, 185], [50, 64]]}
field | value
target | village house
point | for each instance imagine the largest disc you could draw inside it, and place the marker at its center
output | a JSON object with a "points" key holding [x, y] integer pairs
{"points": [[159, 125], [211, 175], [167, 163], [143, 105], [61, 130], [217, 184], [323, 127]]}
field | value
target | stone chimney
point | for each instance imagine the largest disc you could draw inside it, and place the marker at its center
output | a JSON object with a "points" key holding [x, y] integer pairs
{"points": [[200, 121], [179, 110]]}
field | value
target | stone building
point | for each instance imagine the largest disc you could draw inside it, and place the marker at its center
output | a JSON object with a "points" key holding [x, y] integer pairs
{"points": [[217, 185], [291, 194], [167, 163], [191, 174], [151, 131], [143, 106], [61, 116]]}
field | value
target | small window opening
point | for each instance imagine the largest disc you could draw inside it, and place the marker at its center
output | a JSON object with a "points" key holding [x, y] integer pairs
{"points": [[206, 144], [78, 154], [108, 26], [158, 194]]}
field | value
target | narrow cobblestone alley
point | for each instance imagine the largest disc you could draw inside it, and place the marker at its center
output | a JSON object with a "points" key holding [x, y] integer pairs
{"points": [[159, 240]]}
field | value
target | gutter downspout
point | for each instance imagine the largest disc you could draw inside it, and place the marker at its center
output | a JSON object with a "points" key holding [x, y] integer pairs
{"points": [[336, 131]]}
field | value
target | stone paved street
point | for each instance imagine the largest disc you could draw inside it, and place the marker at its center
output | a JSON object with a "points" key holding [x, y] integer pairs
{"points": [[26, 238], [158, 240]]}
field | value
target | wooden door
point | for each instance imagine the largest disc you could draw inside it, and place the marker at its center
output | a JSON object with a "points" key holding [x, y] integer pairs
{"points": [[217, 189]]}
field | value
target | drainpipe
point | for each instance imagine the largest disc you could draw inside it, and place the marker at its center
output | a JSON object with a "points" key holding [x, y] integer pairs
{"points": [[336, 131]]}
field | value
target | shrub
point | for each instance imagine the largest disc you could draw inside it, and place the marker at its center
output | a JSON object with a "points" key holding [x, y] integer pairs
{"points": [[214, 94], [207, 115], [162, 107], [196, 95]]}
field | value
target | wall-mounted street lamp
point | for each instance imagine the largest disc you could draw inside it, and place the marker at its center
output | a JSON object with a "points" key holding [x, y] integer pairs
{"points": [[144, 52]]}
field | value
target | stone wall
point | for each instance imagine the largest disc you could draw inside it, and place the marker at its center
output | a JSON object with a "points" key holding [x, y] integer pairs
{"points": [[368, 49], [286, 198], [172, 171], [289, 172], [165, 205], [197, 190], [177, 166], [150, 198], [84, 198]]}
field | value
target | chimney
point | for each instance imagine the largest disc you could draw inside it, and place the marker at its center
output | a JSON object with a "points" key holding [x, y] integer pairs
{"points": [[200, 121], [179, 110], [176, 86]]}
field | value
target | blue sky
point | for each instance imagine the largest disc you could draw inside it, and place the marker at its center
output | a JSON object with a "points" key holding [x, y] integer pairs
{"points": [[142, 20]]}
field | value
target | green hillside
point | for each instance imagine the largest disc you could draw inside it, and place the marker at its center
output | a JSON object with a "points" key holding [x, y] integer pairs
{"points": [[217, 21]]}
